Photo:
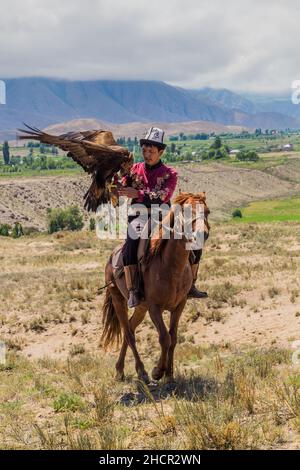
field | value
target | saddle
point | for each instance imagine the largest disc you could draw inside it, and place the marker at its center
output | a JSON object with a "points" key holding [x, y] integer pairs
{"points": [[144, 243], [117, 256]]}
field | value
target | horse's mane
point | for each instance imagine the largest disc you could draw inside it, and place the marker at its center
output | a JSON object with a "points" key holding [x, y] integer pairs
{"points": [[183, 197], [157, 242]]}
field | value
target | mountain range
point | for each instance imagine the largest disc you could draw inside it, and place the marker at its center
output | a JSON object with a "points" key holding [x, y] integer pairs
{"points": [[45, 101]]}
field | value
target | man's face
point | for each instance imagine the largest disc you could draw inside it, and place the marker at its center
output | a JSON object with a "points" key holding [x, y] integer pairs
{"points": [[151, 154]]}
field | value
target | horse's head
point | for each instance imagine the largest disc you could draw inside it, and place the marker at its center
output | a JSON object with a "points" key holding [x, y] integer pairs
{"points": [[196, 203], [183, 213]]}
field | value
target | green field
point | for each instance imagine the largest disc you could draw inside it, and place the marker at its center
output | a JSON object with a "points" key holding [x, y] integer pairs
{"points": [[186, 149], [262, 144], [266, 160], [28, 172], [273, 210]]}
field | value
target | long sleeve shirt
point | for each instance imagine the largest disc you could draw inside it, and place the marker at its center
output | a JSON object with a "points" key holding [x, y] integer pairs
{"points": [[155, 184]]}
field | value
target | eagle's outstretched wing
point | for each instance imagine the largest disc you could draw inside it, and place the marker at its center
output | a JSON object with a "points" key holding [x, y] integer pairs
{"points": [[95, 151]]}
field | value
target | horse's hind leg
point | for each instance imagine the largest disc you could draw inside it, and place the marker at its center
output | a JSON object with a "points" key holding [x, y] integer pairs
{"points": [[137, 318], [120, 306]]}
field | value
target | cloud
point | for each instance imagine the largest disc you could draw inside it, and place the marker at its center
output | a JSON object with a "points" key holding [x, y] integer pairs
{"points": [[249, 45]]}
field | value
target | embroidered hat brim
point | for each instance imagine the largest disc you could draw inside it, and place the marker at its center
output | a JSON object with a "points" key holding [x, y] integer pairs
{"points": [[152, 142]]}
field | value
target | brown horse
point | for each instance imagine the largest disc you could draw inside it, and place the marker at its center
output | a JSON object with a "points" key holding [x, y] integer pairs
{"points": [[167, 278]]}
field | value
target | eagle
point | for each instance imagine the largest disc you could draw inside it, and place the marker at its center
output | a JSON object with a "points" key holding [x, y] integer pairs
{"points": [[96, 152]]}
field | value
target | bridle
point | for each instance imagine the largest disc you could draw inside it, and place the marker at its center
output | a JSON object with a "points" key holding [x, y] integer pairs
{"points": [[193, 235]]}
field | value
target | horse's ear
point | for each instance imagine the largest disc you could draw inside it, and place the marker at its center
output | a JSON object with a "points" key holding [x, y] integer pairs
{"points": [[201, 196]]}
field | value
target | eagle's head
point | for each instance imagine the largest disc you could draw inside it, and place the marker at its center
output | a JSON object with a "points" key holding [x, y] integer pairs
{"points": [[126, 166]]}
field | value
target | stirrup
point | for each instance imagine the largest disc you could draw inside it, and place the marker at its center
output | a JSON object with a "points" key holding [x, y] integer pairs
{"points": [[131, 279], [194, 293], [134, 298]]}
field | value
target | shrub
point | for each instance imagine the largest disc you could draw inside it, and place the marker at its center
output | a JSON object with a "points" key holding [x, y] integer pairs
{"points": [[4, 230], [248, 156], [92, 224], [77, 349], [61, 219], [17, 231], [68, 402], [37, 325], [237, 213]]}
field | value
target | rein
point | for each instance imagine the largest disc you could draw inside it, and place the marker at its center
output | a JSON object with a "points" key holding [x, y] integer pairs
{"points": [[183, 222]]}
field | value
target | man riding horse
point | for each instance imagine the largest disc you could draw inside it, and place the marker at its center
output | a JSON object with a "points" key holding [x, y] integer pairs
{"points": [[150, 182]]}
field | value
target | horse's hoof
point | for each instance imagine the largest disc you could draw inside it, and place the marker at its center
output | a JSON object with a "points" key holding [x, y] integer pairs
{"points": [[170, 383], [157, 373], [120, 376], [144, 377]]}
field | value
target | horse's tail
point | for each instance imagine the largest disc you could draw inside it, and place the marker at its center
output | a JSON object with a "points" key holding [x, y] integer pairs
{"points": [[112, 332]]}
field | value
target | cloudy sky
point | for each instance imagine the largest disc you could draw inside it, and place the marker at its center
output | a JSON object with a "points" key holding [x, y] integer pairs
{"points": [[246, 45]]}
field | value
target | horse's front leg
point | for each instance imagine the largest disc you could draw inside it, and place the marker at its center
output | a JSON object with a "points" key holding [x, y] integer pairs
{"points": [[137, 318], [174, 321], [164, 339]]}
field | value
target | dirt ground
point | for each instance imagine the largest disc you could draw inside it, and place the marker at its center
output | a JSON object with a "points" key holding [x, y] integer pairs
{"points": [[236, 384], [26, 199], [50, 300]]}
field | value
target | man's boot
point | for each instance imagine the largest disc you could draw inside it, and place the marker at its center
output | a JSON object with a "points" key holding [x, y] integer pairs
{"points": [[131, 284], [194, 293]]}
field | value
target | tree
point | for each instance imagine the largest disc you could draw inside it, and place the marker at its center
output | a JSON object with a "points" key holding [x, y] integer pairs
{"points": [[217, 143], [43, 162], [130, 144], [201, 136], [216, 150], [42, 148], [5, 151], [121, 141]]}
